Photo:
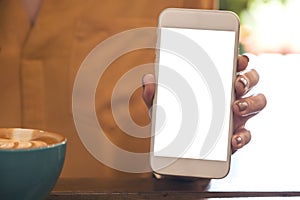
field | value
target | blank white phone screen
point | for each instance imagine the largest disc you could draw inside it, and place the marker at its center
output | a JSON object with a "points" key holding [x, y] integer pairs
{"points": [[184, 95]]}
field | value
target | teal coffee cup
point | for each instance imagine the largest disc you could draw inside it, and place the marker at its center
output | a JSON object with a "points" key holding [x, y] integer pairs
{"points": [[30, 163]]}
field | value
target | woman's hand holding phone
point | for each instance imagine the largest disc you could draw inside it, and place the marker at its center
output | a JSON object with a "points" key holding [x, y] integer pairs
{"points": [[200, 105], [243, 108]]}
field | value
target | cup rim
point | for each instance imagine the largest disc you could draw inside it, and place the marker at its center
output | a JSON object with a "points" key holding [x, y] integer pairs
{"points": [[61, 143]]}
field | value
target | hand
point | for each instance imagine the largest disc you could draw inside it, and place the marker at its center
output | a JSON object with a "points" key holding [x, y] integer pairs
{"points": [[243, 107]]}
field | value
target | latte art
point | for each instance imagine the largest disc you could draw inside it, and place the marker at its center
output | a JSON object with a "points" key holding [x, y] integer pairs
{"points": [[28, 139], [14, 144]]}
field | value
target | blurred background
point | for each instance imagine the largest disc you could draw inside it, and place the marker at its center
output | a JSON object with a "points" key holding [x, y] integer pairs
{"points": [[267, 26]]}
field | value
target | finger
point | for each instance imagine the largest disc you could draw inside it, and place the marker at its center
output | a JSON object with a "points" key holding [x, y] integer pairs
{"points": [[240, 138], [249, 106], [245, 82], [242, 62], [148, 82]]}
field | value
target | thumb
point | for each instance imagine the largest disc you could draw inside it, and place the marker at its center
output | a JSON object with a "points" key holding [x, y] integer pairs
{"points": [[148, 82]]}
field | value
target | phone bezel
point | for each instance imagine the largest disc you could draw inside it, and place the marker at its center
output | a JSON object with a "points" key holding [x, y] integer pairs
{"points": [[192, 18]]}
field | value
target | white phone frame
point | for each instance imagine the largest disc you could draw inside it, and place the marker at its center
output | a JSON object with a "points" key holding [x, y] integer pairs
{"points": [[212, 20]]}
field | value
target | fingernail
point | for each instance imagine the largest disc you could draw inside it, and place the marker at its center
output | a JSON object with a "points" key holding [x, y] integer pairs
{"points": [[242, 106], [239, 140]]}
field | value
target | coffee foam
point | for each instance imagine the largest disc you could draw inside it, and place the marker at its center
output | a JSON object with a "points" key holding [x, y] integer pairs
{"points": [[27, 138]]}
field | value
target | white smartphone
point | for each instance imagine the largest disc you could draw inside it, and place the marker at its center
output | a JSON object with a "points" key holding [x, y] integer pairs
{"points": [[191, 116]]}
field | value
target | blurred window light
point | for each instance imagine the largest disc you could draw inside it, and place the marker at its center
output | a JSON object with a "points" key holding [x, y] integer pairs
{"points": [[269, 26]]}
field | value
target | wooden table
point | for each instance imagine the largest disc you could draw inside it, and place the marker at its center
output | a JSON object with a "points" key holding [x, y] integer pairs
{"points": [[269, 166], [144, 188]]}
